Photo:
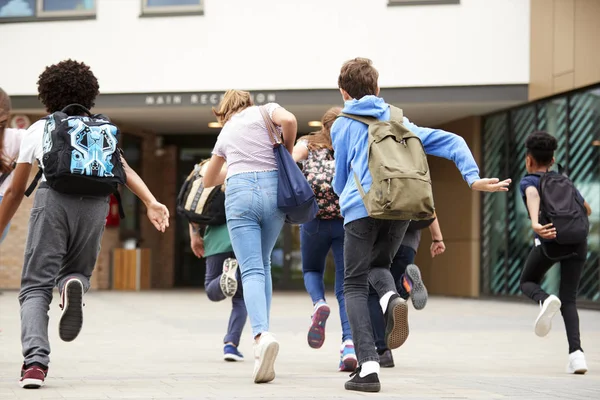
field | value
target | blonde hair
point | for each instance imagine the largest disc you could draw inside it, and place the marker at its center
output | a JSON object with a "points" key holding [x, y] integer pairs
{"points": [[322, 138], [233, 102], [5, 108]]}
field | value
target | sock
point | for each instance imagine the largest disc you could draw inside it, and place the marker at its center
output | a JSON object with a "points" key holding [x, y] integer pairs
{"points": [[370, 367], [385, 299]]}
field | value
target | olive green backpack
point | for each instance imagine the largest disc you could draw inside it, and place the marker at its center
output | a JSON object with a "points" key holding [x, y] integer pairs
{"points": [[401, 188]]}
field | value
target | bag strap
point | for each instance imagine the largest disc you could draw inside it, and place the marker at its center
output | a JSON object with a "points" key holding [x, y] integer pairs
{"points": [[75, 105], [34, 183], [274, 135], [359, 118], [5, 176], [117, 195]]}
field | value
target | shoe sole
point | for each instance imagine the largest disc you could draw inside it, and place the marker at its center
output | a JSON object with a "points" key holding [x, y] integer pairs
{"points": [[348, 364], [396, 331], [363, 387], [228, 282], [580, 371], [266, 371], [418, 294], [316, 333], [543, 324], [31, 383], [232, 357], [71, 319]]}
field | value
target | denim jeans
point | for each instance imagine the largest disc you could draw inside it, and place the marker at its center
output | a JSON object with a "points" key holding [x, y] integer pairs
{"points": [[3, 234], [316, 238], [403, 258], [238, 316], [254, 224], [369, 248]]}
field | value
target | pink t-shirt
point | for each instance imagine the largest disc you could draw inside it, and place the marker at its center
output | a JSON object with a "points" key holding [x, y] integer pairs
{"points": [[10, 151], [245, 144]]}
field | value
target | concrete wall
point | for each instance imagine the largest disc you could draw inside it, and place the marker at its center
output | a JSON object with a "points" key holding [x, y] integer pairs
{"points": [[564, 45], [275, 44]]}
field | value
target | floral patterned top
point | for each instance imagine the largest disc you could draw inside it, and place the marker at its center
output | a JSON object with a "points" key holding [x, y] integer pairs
{"points": [[318, 169]]}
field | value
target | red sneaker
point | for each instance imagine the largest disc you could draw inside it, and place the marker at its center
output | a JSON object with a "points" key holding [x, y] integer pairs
{"points": [[32, 377]]}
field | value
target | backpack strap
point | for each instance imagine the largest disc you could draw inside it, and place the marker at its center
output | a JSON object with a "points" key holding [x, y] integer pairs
{"points": [[360, 118], [117, 195], [34, 183], [64, 110], [5, 176]]}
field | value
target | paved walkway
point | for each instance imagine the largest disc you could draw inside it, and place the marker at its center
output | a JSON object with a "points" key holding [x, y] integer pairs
{"points": [[167, 345]]}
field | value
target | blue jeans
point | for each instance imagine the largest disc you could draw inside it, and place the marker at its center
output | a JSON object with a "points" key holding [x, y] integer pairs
{"points": [[3, 234], [316, 238], [254, 224], [237, 318], [403, 258]]}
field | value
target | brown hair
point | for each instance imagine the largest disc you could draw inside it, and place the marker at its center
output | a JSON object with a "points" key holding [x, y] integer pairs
{"points": [[358, 78], [233, 102], [5, 107], [322, 138]]}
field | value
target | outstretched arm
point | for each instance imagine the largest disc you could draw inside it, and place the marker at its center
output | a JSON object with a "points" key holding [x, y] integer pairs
{"points": [[157, 213], [14, 194]]}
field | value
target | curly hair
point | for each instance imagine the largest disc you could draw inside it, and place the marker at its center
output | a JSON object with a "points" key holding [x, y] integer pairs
{"points": [[541, 145], [65, 83]]}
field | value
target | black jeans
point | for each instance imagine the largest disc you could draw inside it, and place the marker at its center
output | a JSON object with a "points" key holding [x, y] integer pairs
{"points": [[369, 248], [537, 265], [403, 258]]}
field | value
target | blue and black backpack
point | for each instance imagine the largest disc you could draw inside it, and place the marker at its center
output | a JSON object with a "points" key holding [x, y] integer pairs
{"points": [[81, 155]]}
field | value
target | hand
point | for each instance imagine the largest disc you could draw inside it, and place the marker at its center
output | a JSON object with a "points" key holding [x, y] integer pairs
{"points": [[158, 214], [544, 231], [437, 248], [491, 185], [197, 245]]}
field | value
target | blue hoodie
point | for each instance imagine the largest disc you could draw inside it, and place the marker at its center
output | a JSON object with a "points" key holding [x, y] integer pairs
{"points": [[350, 146]]}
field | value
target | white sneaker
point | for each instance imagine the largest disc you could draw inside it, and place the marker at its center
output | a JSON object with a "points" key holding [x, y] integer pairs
{"points": [[549, 307], [228, 282], [265, 353], [577, 363]]}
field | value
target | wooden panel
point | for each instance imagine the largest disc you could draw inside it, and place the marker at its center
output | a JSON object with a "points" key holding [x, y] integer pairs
{"points": [[587, 37], [541, 50], [564, 37], [146, 269], [563, 83], [125, 269]]}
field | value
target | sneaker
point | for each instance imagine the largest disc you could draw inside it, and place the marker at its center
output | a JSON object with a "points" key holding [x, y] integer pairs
{"points": [[228, 282], [348, 361], [577, 364], [265, 353], [316, 333], [414, 285], [548, 309], [231, 353], [386, 359], [71, 319], [396, 317], [33, 377], [369, 383]]}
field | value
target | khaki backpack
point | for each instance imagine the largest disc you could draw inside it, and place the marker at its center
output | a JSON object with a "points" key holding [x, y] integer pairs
{"points": [[401, 188]]}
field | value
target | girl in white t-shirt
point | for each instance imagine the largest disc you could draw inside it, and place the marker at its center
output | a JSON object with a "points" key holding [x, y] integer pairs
{"points": [[10, 141]]}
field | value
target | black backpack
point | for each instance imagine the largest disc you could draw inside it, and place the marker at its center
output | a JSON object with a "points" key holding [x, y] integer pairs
{"points": [[419, 225], [561, 205], [199, 204], [81, 155]]}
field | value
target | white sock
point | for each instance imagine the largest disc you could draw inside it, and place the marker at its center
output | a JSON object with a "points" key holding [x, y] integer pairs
{"points": [[385, 299], [369, 367]]}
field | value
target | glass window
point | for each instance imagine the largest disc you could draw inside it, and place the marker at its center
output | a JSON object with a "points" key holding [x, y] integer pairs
{"points": [[171, 6], [17, 8]]}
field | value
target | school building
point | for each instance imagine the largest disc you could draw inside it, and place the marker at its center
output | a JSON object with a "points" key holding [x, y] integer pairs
{"points": [[491, 71]]}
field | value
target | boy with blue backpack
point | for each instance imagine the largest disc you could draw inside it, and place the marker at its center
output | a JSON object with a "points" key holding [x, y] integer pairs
{"points": [[559, 219], [80, 166], [382, 179]]}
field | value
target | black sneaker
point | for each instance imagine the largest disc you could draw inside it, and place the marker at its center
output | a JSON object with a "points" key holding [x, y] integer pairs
{"points": [[386, 360], [71, 319], [369, 383], [396, 322]]}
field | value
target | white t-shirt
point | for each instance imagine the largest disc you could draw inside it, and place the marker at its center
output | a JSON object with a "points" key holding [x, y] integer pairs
{"points": [[10, 151], [245, 144], [32, 145]]}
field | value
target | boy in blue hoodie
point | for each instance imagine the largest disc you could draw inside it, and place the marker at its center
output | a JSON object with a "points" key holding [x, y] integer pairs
{"points": [[370, 244]]}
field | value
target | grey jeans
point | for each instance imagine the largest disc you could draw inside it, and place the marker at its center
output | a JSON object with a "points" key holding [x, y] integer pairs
{"points": [[65, 233], [369, 248]]}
